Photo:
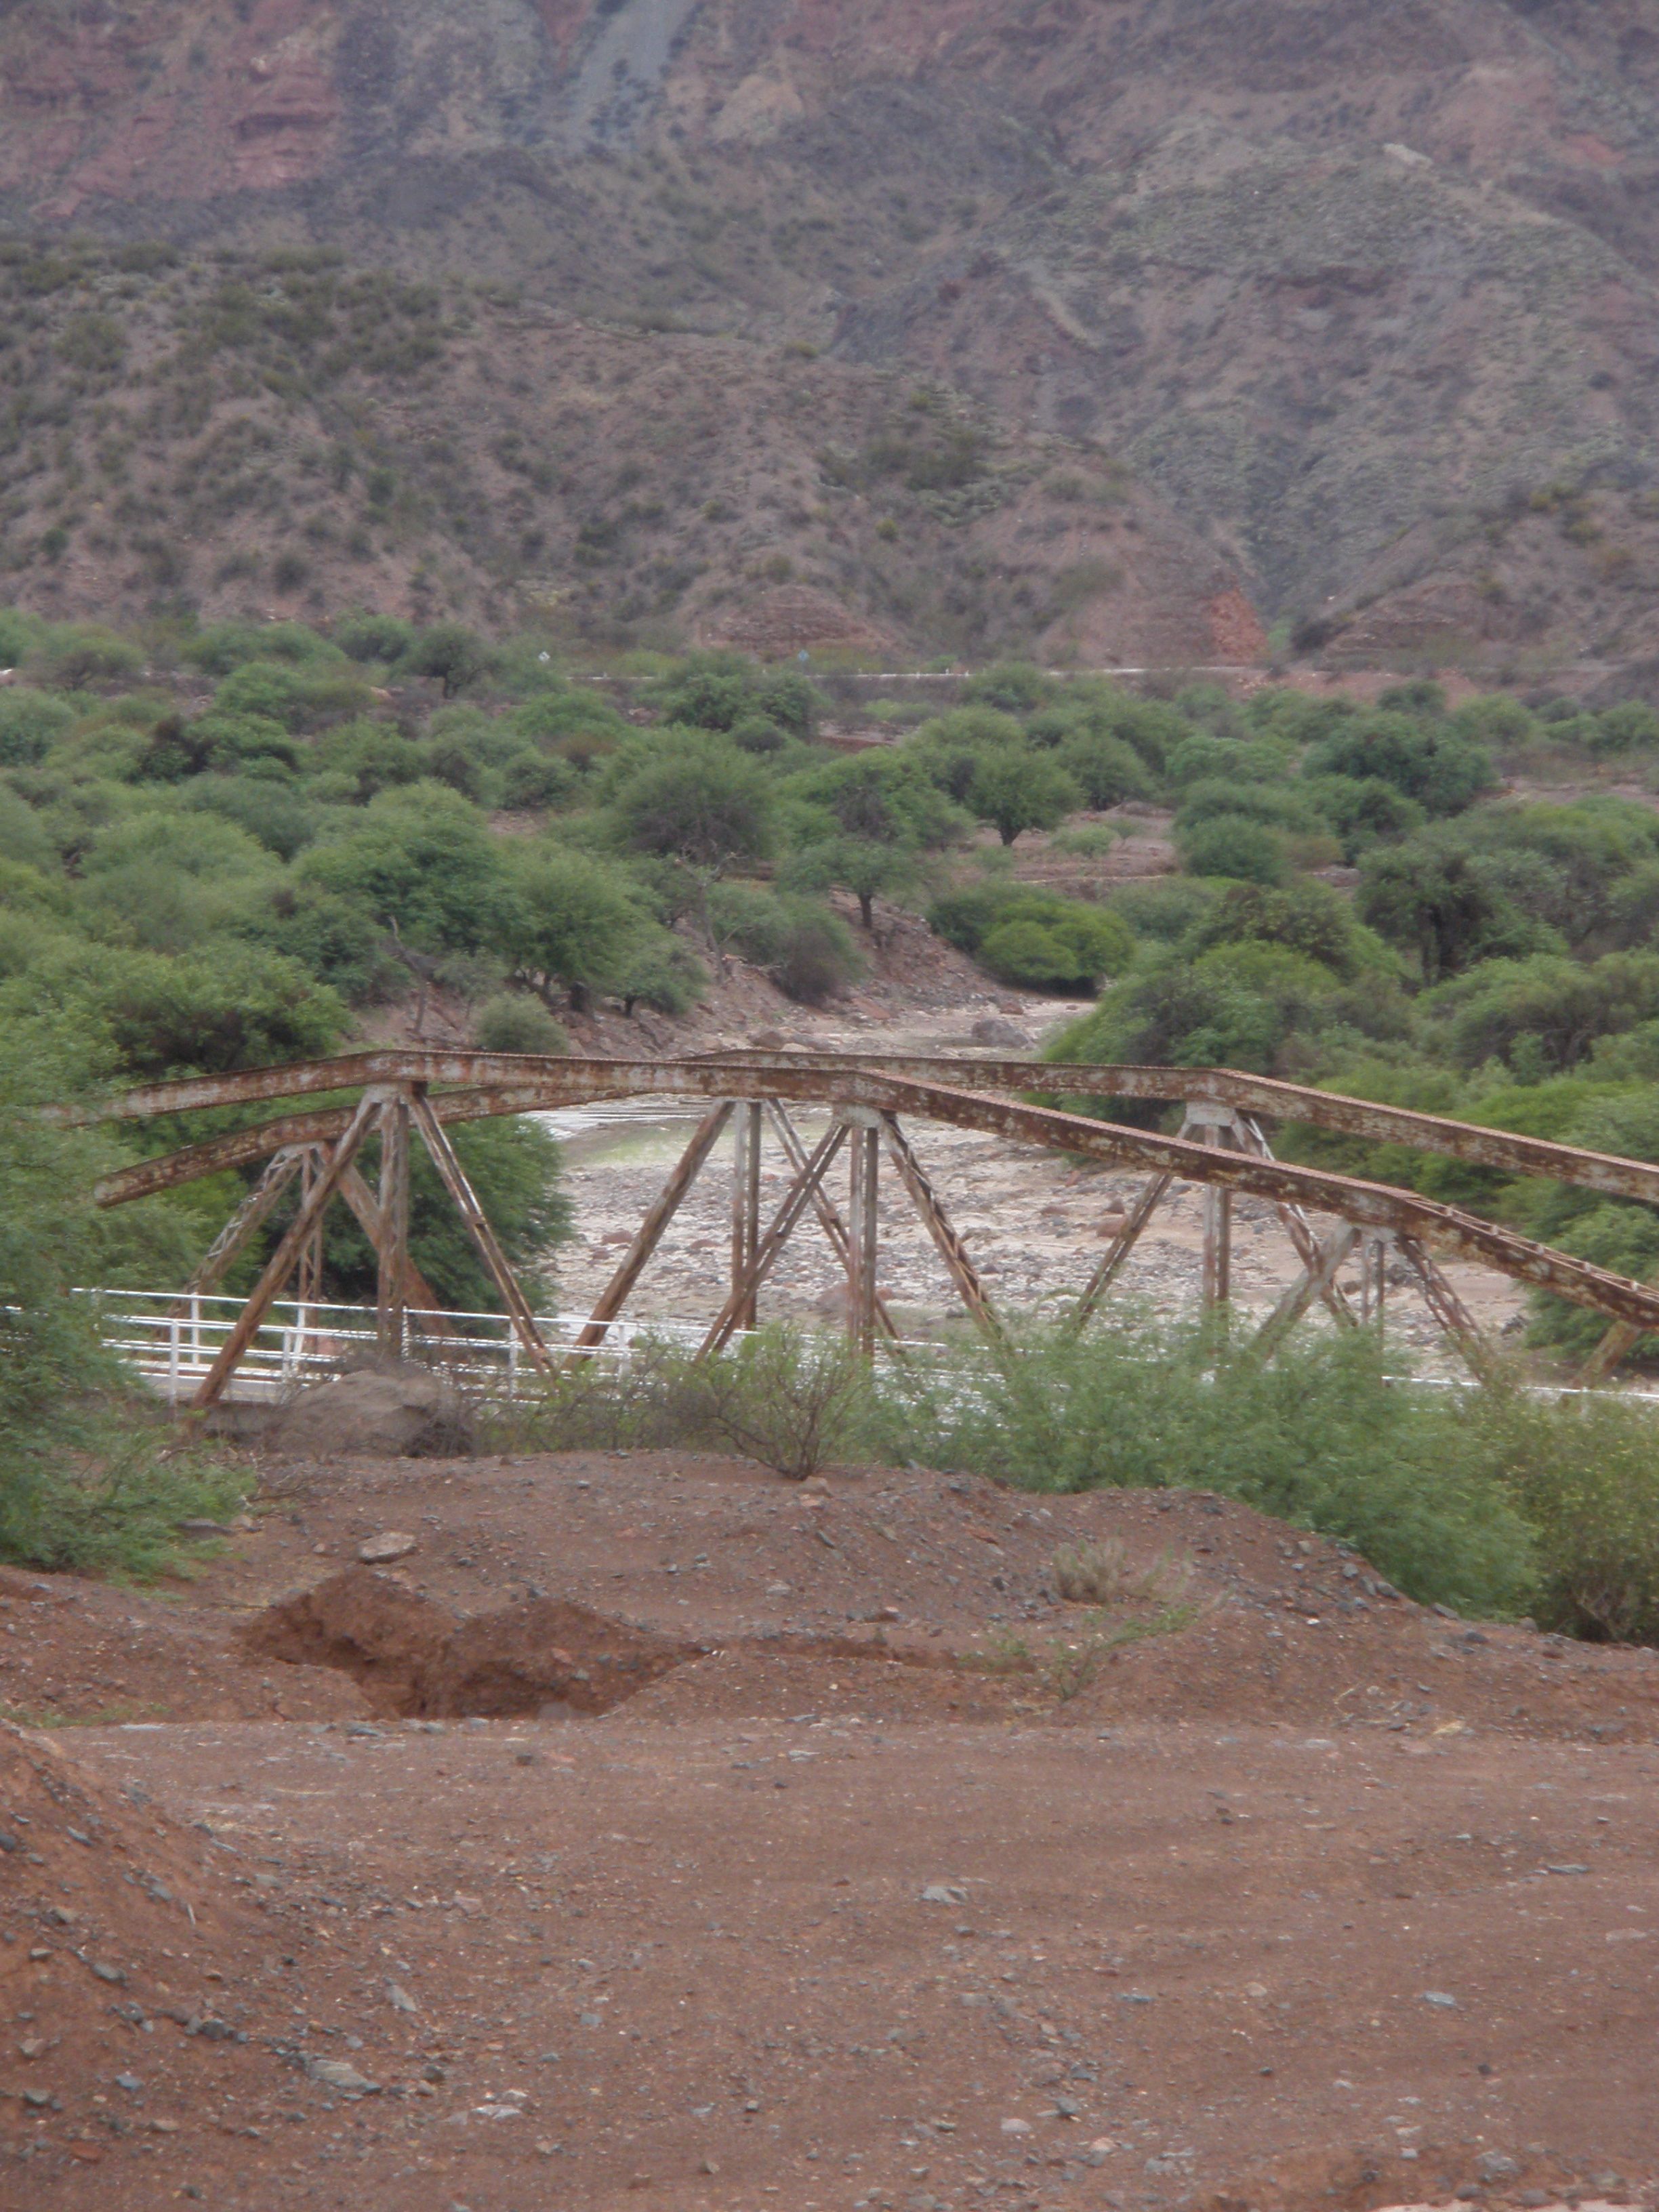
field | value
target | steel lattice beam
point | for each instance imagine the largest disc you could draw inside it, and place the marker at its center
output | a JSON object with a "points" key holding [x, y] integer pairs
{"points": [[968, 1102]]}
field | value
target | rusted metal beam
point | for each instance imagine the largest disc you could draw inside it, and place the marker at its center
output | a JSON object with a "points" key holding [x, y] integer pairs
{"points": [[1255, 1094], [745, 1202], [1375, 1205], [616, 1292], [547, 1082], [1448, 1308], [863, 1233], [950, 1249], [249, 1216], [419, 1297], [392, 1246], [455, 1182], [1152, 1194], [830, 1220], [1309, 1285], [796, 1200], [308, 1274], [281, 1264]]}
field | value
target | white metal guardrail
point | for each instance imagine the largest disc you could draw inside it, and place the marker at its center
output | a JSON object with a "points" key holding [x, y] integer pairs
{"points": [[171, 1338]]}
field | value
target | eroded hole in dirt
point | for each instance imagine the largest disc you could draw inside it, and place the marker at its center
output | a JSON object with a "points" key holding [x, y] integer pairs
{"points": [[416, 1659]]}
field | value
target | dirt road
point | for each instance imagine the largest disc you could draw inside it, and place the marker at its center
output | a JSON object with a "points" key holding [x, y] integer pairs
{"points": [[654, 1832]]}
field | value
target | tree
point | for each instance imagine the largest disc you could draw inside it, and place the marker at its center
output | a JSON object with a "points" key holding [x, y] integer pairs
{"points": [[1434, 900], [858, 865], [450, 655], [573, 924], [1429, 760], [1016, 791], [222, 1006], [702, 803], [424, 864], [1104, 769], [1542, 1015]]}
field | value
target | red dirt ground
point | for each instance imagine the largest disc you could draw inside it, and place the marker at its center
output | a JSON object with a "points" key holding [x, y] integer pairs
{"points": [[813, 1852]]}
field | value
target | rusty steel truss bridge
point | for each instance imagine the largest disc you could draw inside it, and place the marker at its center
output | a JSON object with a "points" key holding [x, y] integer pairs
{"points": [[401, 1097]]}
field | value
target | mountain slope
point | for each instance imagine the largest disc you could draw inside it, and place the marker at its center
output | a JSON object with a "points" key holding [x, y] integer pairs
{"points": [[1348, 288]]}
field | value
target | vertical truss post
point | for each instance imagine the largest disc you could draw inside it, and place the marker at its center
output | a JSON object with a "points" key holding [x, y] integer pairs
{"points": [[283, 1260], [796, 1200], [1376, 1246], [830, 1220], [1218, 1127], [863, 1227], [466, 1204], [616, 1294], [391, 1245], [308, 1286], [745, 1206]]}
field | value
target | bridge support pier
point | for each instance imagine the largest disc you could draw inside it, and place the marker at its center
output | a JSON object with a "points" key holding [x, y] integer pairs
{"points": [[863, 1228]]}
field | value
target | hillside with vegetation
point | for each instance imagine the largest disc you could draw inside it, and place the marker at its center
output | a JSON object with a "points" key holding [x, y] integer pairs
{"points": [[1364, 300]]}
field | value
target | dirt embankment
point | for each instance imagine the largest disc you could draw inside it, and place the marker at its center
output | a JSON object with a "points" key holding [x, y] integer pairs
{"points": [[685, 1838]]}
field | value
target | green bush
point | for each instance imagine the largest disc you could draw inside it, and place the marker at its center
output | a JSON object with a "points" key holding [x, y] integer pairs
{"points": [[82, 653], [368, 637], [821, 957], [1429, 760], [1231, 845], [1585, 1473], [1105, 770], [89, 1479], [1055, 944], [31, 722], [514, 1022], [1322, 1437]]}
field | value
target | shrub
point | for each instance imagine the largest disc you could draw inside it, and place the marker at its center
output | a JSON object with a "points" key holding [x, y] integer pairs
{"points": [[82, 653], [30, 724], [789, 1399], [821, 957], [88, 1481], [538, 779], [1585, 1471], [1055, 944], [368, 637], [514, 1022], [1232, 844], [1321, 1438]]}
